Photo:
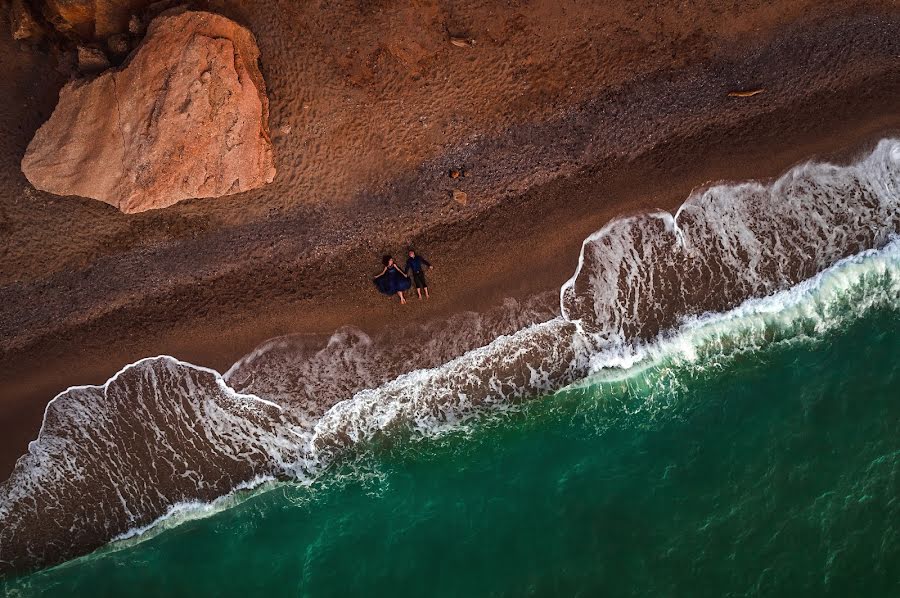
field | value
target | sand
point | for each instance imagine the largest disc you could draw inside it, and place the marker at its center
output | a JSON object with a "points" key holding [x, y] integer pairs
{"points": [[562, 115]]}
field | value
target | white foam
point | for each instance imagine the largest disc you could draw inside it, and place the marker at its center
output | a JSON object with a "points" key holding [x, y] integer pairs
{"points": [[812, 308], [730, 242], [193, 510]]}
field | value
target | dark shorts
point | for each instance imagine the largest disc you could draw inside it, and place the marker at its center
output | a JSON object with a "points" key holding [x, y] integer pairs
{"points": [[419, 279]]}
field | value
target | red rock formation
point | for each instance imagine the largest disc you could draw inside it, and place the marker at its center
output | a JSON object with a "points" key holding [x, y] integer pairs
{"points": [[90, 20], [186, 117], [22, 22]]}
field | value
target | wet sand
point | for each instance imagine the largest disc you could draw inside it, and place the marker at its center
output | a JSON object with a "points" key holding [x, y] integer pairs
{"points": [[85, 290]]}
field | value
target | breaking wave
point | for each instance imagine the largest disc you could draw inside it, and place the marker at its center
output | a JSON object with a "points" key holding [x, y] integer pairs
{"points": [[738, 266]]}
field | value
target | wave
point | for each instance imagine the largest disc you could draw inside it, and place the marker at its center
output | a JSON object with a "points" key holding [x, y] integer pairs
{"points": [[726, 271], [638, 276], [832, 299], [310, 373]]}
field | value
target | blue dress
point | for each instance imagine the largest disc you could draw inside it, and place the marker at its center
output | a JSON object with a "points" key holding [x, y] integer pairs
{"points": [[392, 281]]}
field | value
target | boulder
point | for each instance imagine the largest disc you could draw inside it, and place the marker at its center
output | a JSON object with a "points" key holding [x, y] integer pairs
{"points": [[186, 116]]}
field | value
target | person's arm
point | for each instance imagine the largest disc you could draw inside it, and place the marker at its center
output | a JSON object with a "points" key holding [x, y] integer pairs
{"points": [[426, 262], [397, 268], [382, 272]]}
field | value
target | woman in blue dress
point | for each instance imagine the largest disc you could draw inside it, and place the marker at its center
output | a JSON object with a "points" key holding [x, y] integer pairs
{"points": [[392, 280]]}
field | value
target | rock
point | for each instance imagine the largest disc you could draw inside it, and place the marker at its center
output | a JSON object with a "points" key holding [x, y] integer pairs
{"points": [[187, 117], [282, 131], [135, 26], [91, 20], [460, 197], [118, 44], [73, 18], [462, 42], [23, 23], [91, 60], [454, 174]]}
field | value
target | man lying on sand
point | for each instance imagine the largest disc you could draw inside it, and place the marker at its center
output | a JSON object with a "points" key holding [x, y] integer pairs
{"points": [[416, 264]]}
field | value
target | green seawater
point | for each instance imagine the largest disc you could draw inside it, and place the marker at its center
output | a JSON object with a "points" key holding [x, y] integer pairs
{"points": [[772, 470]]}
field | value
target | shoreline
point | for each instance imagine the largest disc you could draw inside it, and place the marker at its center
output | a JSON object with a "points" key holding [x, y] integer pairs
{"points": [[209, 296], [204, 346]]}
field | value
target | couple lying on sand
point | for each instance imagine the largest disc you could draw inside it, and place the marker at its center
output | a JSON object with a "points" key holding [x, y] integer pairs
{"points": [[393, 280]]}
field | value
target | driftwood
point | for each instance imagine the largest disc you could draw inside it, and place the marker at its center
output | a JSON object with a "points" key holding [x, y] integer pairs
{"points": [[745, 93]]}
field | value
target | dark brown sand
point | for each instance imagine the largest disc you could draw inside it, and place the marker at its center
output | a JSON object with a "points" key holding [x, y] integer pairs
{"points": [[563, 115]]}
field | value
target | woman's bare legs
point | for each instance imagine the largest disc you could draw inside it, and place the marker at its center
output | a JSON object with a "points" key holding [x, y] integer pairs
{"points": [[402, 299]]}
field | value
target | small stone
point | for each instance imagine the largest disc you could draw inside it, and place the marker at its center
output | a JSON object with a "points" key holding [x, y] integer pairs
{"points": [[91, 60], [460, 42], [460, 197], [454, 174], [118, 44], [282, 131], [136, 25]]}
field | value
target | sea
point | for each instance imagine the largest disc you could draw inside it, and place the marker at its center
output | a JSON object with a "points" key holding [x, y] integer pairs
{"points": [[710, 406]]}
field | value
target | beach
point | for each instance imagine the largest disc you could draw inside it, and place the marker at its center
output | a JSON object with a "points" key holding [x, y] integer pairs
{"points": [[557, 118]]}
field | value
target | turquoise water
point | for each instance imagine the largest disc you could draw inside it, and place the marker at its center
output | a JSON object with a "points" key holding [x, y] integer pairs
{"points": [[767, 468]]}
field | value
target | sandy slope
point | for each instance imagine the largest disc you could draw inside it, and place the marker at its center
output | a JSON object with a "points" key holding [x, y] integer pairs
{"points": [[563, 114]]}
